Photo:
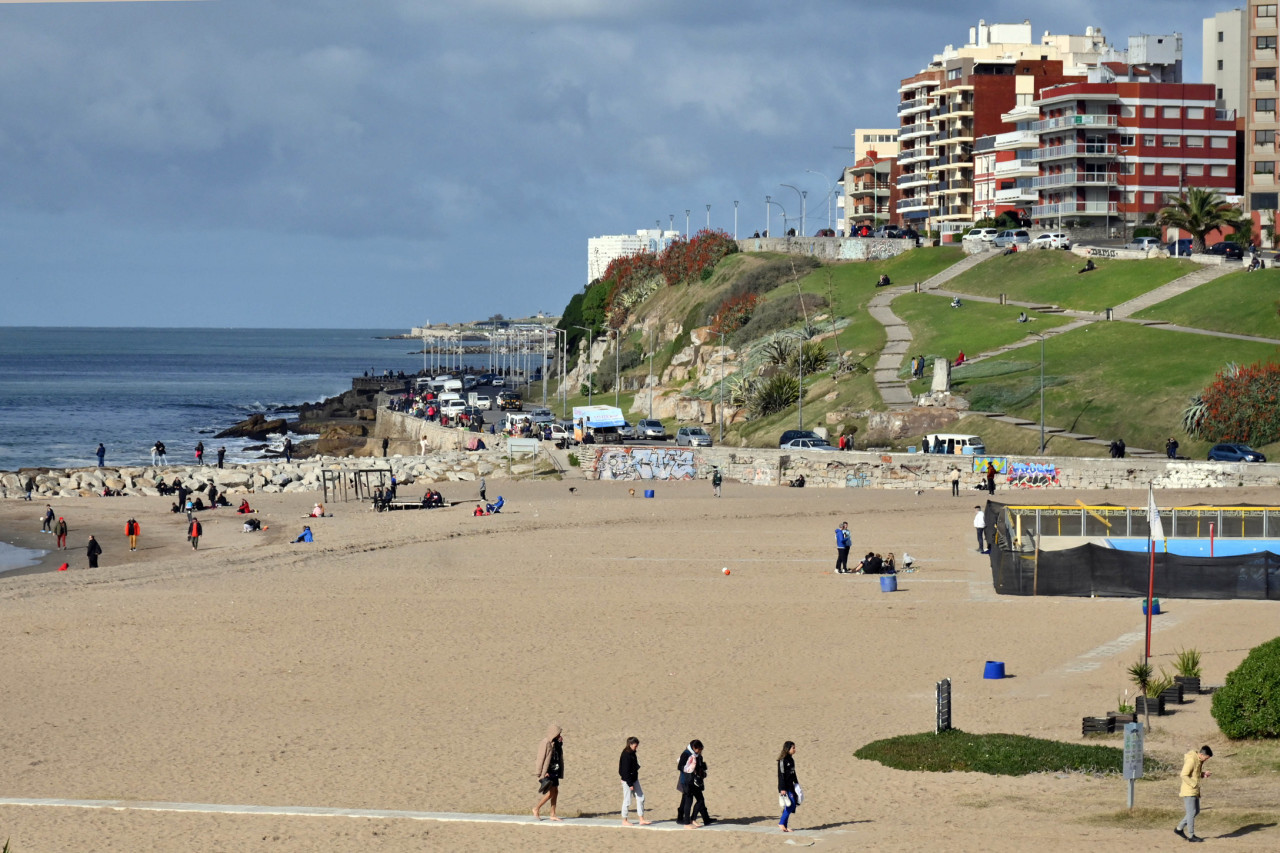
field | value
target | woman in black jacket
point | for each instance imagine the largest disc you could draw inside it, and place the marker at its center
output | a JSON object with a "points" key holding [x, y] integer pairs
{"points": [[788, 785], [629, 772]]}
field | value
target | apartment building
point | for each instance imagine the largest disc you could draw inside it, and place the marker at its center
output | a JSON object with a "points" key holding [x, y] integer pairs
{"points": [[602, 251], [1108, 150], [1259, 111], [1225, 58], [870, 191]]}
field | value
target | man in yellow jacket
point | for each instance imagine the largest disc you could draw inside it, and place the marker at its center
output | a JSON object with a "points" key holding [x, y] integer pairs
{"points": [[1192, 772]]}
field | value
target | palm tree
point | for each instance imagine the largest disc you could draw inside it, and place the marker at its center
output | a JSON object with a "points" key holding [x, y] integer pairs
{"points": [[1199, 211]]}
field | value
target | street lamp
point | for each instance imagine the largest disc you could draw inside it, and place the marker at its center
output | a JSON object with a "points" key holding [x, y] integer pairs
{"points": [[830, 195], [802, 195], [1041, 337], [767, 200], [708, 217], [780, 207], [617, 367], [591, 373], [735, 220], [686, 223], [649, 386]]}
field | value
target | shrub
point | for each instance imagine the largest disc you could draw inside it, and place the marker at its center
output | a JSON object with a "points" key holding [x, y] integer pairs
{"points": [[1240, 405], [775, 394], [776, 315], [955, 751], [813, 355], [772, 274], [1248, 705], [734, 313]]}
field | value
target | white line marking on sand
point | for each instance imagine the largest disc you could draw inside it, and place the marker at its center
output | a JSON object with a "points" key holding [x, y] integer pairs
{"points": [[323, 811], [1094, 658]]}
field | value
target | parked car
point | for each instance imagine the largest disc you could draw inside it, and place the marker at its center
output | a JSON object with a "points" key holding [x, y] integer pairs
{"points": [[1018, 237], [541, 416], [1051, 240], [510, 401], [886, 231], [482, 401], [651, 429], [808, 444], [986, 235], [908, 234], [792, 434], [1230, 251], [453, 407], [1142, 244], [862, 231], [825, 232], [562, 435], [694, 436], [1182, 250], [1235, 453], [627, 431]]}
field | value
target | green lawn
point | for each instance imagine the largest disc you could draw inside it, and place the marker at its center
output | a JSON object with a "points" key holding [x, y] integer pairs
{"points": [[1052, 278], [1242, 303], [1114, 380], [939, 330], [955, 751]]}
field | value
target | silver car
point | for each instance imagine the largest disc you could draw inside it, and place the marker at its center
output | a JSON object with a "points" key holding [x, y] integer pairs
{"points": [[1018, 237], [692, 437], [808, 444], [650, 428]]}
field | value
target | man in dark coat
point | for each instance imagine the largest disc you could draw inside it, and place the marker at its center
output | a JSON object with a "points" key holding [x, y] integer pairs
{"points": [[93, 551]]}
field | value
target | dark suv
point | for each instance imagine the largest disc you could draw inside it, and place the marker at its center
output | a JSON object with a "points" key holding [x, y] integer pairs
{"points": [[792, 434], [510, 401], [1229, 250]]}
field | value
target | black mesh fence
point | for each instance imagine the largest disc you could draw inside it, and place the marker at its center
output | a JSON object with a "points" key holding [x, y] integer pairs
{"points": [[1090, 569]]}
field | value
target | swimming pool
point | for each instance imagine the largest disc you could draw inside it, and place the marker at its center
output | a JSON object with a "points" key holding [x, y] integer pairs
{"points": [[1199, 547]]}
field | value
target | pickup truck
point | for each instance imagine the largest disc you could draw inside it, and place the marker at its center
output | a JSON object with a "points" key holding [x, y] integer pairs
{"points": [[510, 401]]}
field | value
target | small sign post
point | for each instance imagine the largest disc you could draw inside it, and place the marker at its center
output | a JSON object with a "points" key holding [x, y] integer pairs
{"points": [[944, 706], [1132, 756]]}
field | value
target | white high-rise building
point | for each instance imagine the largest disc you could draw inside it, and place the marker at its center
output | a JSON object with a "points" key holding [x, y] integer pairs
{"points": [[601, 251], [1225, 58]]}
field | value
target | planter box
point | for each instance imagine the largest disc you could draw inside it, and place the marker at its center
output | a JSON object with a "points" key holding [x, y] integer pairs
{"points": [[1173, 696], [1141, 704], [1097, 726], [1190, 684], [1121, 719]]}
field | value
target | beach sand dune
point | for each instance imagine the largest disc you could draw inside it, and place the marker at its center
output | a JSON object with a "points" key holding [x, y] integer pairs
{"points": [[412, 661]]}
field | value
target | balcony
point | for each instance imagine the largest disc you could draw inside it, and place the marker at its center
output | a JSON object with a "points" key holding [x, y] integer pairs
{"points": [[915, 179], [870, 209], [914, 105], [871, 188], [1075, 179], [1078, 149], [956, 187], [918, 84], [1078, 120], [1016, 195], [1016, 139], [1075, 208], [915, 155], [1014, 168], [911, 131], [914, 205]]}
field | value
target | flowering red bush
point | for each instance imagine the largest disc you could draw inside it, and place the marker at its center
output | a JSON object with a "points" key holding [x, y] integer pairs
{"points": [[734, 313], [1241, 405], [682, 261]]}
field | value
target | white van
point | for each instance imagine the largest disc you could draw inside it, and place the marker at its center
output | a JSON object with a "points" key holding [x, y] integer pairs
{"points": [[953, 444], [453, 406], [453, 386]]}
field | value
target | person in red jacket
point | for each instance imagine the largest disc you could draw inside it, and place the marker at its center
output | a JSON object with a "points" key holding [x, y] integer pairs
{"points": [[132, 529], [193, 533]]}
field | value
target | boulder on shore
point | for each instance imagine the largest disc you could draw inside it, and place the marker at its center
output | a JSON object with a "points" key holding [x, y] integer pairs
{"points": [[257, 426]]}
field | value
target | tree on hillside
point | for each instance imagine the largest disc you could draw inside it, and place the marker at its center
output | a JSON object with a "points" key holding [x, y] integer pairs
{"points": [[1198, 212]]}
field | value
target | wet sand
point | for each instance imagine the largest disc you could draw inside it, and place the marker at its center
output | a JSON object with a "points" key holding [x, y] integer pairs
{"points": [[412, 660]]}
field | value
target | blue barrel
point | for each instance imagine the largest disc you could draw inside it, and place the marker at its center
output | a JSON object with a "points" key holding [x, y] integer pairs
{"points": [[648, 493], [994, 669], [888, 583], [1155, 607]]}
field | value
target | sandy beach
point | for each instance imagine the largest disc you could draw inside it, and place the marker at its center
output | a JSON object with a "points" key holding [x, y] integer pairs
{"points": [[413, 660]]}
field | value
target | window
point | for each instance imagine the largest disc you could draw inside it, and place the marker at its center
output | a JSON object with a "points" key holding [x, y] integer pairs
{"points": [[1170, 141], [1171, 169], [1265, 42], [1195, 113], [1266, 11], [1264, 137], [1265, 105], [1219, 64], [1263, 201], [1148, 198], [1148, 168], [1148, 112], [1264, 74], [1264, 167], [1218, 171], [1195, 141], [1171, 112], [1128, 168], [1219, 35], [1219, 95], [1149, 140], [1128, 111], [1219, 142], [1127, 140], [1195, 170]]}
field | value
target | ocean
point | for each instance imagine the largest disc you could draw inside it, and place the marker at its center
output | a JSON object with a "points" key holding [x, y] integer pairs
{"points": [[62, 391]]}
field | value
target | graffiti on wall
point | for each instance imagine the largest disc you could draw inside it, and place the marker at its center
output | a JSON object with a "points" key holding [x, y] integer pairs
{"points": [[857, 480], [645, 463], [1032, 475], [1000, 463]]}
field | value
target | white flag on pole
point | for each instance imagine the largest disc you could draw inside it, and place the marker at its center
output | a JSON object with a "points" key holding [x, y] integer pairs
{"points": [[1153, 516]]}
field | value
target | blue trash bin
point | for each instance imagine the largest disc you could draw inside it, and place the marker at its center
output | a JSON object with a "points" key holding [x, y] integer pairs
{"points": [[888, 583], [648, 493], [1155, 607], [994, 669]]}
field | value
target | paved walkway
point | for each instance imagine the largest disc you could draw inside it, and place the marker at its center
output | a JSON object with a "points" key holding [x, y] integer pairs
{"points": [[768, 827], [897, 394]]}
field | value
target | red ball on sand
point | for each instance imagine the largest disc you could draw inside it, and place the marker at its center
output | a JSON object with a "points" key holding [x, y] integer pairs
{"points": [[726, 570]]}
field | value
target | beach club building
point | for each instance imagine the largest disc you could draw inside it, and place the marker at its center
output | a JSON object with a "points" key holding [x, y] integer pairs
{"points": [[1109, 150]]}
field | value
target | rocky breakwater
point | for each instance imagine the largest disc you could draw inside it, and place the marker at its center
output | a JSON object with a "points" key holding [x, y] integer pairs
{"points": [[338, 425]]}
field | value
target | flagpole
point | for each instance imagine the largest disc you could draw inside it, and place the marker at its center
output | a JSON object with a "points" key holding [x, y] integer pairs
{"points": [[1155, 530]]}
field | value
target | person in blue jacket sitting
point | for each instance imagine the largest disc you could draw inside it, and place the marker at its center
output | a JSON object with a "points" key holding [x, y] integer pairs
{"points": [[305, 535]]}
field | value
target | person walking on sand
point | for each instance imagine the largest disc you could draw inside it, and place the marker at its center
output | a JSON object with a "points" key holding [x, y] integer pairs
{"points": [[789, 792], [164, 460], [193, 533], [991, 478], [980, 528], [222, 454], [102, 454], [550, 771], [47, 526], [629, 772], [93, 551], [843, 543], [716, 480], [60, 530], [131, 529], [955, 481], [482, 490], [1192, 772], [30, 486]]}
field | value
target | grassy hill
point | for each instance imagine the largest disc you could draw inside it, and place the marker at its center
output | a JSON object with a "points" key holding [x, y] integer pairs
{"points": [[1240, 303]]}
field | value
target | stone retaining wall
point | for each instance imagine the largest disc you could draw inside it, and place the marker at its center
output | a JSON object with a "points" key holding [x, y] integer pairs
{"points": [[830, 248], [854, 469]]}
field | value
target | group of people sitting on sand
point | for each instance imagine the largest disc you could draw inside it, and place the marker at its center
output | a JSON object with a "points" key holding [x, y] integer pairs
{"points": [[432, 499], [874, 564]]}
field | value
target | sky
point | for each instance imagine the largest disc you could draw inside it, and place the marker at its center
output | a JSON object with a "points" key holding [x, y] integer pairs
{"points": [[388, 163]]}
